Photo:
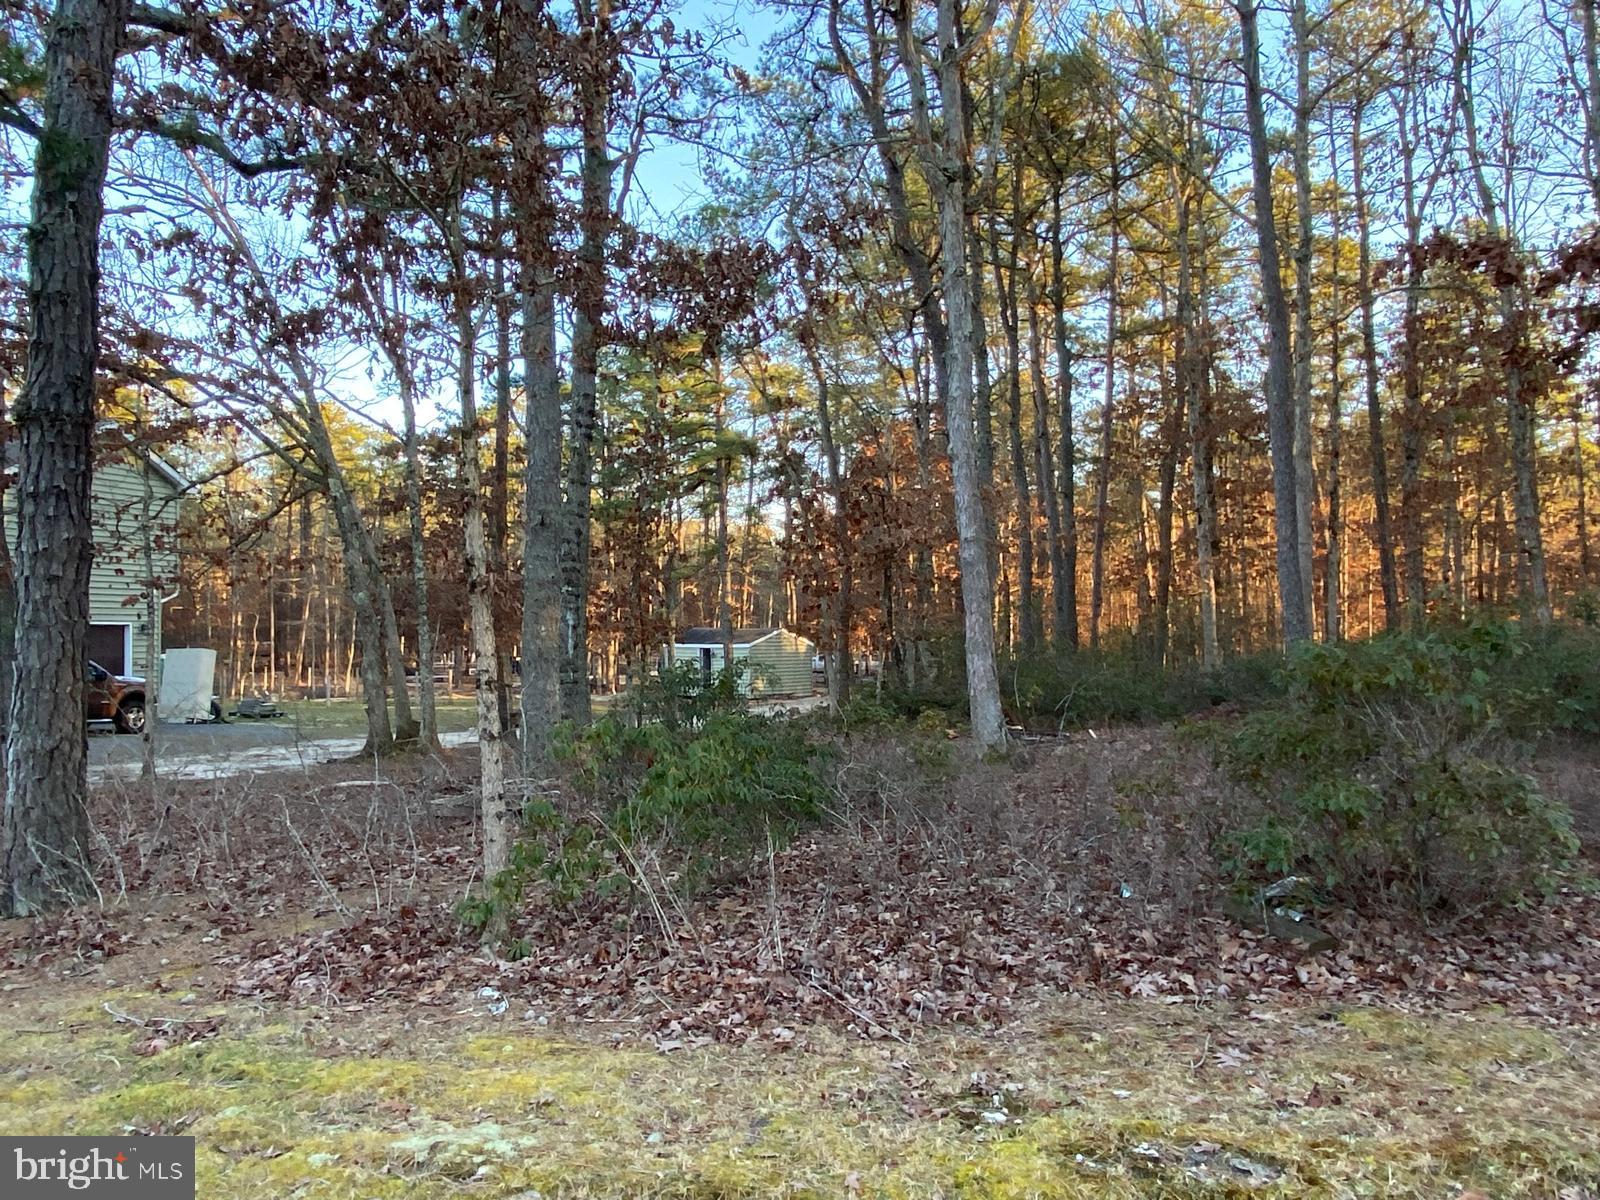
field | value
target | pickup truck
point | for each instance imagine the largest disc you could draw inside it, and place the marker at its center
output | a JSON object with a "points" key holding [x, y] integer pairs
{"points": [[115, 698]]}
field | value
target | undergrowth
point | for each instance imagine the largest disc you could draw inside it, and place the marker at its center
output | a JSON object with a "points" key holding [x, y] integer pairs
{"points": [[1392, 773], [672, 794]]}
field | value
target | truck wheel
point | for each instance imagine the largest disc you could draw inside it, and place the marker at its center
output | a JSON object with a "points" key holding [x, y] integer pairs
{"points": [[130, 716]]}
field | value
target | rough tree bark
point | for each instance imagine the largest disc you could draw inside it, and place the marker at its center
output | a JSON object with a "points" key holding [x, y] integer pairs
{"points": [[1280, 392], [541, 513], [46, 844], [1305, 480], [594, 21], [944, 163]]}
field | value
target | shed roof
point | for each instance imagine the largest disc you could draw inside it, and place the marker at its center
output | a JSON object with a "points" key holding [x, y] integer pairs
{"points": [[709, 635]]}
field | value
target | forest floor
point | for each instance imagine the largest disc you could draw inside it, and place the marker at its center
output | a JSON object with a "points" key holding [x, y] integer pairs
{"points": [[1040, 1006]]}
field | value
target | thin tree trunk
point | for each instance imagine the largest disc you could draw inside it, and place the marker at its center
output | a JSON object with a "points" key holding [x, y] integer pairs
{"points": [[1333, 568], [1378, 452], [499, 515], [838, 640], [1305, 480], [1044, 463], [1005, 287], [1519, 400], [1102, 482], [1280, 392], [724, 571], [1192, 385], [426, 700], [498, 807], [1067, 602], [1172, 427], [1581, 486]]}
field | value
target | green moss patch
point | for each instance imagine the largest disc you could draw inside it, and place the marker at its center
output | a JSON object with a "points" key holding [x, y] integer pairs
{"points": [[1090, 1100]]}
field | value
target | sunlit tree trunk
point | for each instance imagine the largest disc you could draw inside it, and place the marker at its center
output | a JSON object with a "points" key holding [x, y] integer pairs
{"points": [[1044, 464], [1378, 452], [1067, 601], [1305, 482], [1102, 478], [1280, 391], [945, 163], [1192, 386]]}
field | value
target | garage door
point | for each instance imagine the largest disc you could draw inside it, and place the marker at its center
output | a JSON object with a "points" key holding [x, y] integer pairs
{"points": [[108, 646]]}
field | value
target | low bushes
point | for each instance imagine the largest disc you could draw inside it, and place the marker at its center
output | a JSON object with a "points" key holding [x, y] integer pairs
{"points": [[1390, 773], [1070, 689], [668, 806]]}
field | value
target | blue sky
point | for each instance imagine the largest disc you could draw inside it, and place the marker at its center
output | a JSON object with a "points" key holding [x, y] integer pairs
{"points": [[669, 182]]}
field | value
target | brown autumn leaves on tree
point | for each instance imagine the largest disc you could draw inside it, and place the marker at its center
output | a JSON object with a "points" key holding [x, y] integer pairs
{"points": [[1004, 327]]}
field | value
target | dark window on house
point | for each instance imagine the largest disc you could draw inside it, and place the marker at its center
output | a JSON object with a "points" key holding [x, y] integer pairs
{"points": [[108, 646]]}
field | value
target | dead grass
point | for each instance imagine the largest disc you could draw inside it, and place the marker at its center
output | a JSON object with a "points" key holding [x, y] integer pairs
{"points": [[1085, 1099]]}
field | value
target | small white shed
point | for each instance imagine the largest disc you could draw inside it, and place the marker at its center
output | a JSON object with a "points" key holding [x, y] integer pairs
{"points": [[776, 662]]}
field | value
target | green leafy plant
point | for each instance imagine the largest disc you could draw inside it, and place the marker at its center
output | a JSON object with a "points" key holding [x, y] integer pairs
{"points": [[675, 808], [1389, 775]]}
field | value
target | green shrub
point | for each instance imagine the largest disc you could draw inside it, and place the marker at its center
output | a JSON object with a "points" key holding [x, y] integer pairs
{"points": [[1561, 665], [677, 696], [1389, 774], [1075, 688], [666, 808]]}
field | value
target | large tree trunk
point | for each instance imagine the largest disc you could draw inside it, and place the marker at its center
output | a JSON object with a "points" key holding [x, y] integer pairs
{"points": [[588, 315], [46, 843], [1280, 392], [945, 163], [541, 518]]}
